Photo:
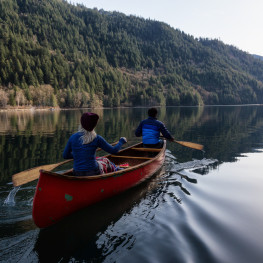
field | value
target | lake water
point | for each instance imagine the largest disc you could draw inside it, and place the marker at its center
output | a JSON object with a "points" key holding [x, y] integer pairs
{"points": [[202, 207]]}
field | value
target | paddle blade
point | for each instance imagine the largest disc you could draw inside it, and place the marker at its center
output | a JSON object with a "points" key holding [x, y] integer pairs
{"points": [[33, 174], [191, 145]]}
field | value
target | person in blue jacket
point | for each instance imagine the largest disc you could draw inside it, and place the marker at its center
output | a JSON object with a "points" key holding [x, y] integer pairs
{"points": [[150, 130], [82, 146]]}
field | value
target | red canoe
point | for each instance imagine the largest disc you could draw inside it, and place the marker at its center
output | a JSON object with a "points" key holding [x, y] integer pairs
{"points": [[58, 195]]}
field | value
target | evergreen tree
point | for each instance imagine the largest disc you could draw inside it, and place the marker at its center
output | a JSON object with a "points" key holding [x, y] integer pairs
{"points": [[117, 59]]}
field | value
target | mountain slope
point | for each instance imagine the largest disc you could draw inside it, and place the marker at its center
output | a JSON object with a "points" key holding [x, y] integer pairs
{"points": [[53, 53]]}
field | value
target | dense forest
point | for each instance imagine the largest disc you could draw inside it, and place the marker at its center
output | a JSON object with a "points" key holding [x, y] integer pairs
{"points": [[53, 54]]}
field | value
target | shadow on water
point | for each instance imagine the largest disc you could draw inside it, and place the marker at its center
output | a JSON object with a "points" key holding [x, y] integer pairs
{"points": [[78, 232]]}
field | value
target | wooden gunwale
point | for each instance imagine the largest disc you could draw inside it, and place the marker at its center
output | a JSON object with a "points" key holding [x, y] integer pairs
{"points": [[117, 173]]}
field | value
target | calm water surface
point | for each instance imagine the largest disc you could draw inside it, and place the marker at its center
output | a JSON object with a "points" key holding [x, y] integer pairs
{"points": [[201, 207]]}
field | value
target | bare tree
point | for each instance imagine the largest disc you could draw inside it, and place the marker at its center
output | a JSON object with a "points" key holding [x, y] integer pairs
{"points": [[3, 98], [20, 97]]}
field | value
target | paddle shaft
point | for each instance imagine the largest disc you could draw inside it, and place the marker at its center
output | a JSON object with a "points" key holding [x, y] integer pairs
{"points": [[190, 144], [33, 173]]}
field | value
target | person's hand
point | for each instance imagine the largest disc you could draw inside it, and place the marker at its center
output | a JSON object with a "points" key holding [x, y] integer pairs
{"points": [[123, 139]]}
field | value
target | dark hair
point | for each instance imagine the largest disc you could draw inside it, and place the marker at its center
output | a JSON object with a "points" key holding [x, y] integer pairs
{"points": [[152, 112]]}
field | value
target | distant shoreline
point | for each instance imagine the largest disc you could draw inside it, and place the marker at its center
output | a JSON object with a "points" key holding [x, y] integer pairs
{"points": [[10, 109], [31, 108]]}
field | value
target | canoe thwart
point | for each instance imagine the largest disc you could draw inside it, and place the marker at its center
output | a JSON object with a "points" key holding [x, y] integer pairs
{"points": [[147, 149], [130, 157]]}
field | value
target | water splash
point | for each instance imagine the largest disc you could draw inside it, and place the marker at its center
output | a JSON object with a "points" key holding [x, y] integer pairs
{"points": [[10, 200], [173, 166], [169, 156], [191, 165]]}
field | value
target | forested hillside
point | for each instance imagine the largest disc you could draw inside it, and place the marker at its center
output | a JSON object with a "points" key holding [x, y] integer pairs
{"points": [[55, 54]]}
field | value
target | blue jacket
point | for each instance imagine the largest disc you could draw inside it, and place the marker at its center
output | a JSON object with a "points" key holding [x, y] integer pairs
{"points": [[84, 155], [150, 130]]}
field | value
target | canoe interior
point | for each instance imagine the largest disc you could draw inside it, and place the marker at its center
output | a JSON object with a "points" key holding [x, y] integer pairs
{"points": [[139, 156], [134, 155]]}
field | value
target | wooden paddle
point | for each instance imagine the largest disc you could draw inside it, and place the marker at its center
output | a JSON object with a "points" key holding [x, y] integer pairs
{"points": [[190, 144], [33, 173]]}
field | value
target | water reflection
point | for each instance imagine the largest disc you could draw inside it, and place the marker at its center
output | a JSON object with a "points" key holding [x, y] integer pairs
{"points": [[181, 215], [33, 138]]}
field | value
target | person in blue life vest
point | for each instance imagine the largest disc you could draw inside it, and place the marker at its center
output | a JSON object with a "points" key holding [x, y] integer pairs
{"points": [[150, 130], [82, 146]]}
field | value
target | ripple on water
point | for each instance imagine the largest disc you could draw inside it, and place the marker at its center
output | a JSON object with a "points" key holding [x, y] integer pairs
{"points": [[157, 229], [21, 247]]}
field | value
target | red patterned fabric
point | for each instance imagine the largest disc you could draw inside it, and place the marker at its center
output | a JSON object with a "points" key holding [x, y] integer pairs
{"points": [[105, 165]]}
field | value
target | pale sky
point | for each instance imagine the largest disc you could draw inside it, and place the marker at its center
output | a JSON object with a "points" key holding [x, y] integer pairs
{"points": [[235, 22]]}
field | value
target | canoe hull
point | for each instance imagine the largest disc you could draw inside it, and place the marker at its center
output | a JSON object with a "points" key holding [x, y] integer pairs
{"points": [[57, 196]]}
